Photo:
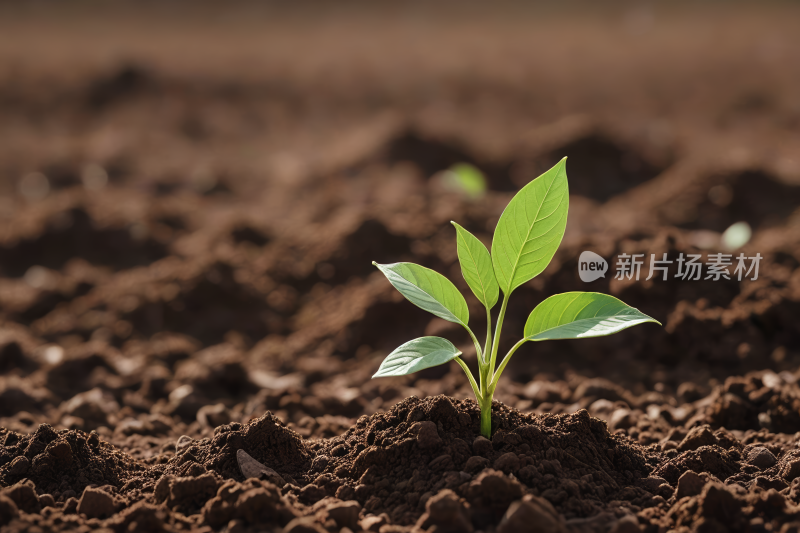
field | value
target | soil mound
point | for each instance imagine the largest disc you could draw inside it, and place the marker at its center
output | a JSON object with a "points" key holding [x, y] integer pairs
{"points": [[420, 466], [266, 439], [395, 462], [63, 463], [419, 447]]}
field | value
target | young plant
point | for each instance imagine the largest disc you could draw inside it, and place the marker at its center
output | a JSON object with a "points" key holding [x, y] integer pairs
{"points": [[525, 240]]}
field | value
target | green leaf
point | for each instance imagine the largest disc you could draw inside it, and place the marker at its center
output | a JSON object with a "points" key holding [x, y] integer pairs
{"points": [[575, 315], [476, 266], [531, 228], [417, 355], [427, 290]]}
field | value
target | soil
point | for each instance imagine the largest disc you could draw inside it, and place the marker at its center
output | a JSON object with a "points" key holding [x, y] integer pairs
{"points": [[189, 317]]}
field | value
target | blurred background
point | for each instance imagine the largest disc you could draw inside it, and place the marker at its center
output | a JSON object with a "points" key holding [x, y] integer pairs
{"points": [[191, 195]]}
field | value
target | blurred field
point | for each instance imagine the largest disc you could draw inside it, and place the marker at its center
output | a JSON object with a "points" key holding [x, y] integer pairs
{"points": [[191, 196]]}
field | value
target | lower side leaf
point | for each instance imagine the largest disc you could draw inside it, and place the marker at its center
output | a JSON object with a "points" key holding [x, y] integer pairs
{"points": [[416, 355]]}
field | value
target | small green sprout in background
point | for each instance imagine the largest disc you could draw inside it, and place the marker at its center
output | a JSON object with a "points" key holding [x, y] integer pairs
{"points": [[736, 236], [525, 240], [466, 179]]}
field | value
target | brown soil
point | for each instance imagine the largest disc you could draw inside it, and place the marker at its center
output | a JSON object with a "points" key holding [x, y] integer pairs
{"points": [[214, 305]]}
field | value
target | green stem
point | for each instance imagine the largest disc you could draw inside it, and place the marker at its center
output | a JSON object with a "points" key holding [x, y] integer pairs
{"points": [[480, 355], [486, 403], [498, 329], [486, 417], [476, 343], [506, 359], [484, 364], [471, 379], [488, 334]]}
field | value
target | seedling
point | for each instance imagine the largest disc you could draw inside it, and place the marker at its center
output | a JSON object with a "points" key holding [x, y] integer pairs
{"points": [[525, 240]]}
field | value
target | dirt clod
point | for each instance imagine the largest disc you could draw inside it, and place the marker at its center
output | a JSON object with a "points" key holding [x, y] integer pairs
{"points": [[531, 514], [344, 514], [427, 435], [96, 503], [697, 437], [445, 513], [482, 446], [761, 458], [24, 496]]}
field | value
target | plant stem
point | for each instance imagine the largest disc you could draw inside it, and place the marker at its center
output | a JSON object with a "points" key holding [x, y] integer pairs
{"points": [[486, 417], [483, 363], [475, 342], [496, 378], [486, 389], [471, 379], [498, 329], [480, 355], [488, 335]]}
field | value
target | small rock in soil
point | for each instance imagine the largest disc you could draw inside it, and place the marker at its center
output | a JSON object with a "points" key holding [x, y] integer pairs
{"points": [[252, 468], [761, 458], [697, 437], [531, 515], [96, 503], [690, 484]]}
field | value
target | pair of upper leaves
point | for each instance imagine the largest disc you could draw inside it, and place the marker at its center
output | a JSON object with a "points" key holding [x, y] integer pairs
{"points": [[525, 240]]}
